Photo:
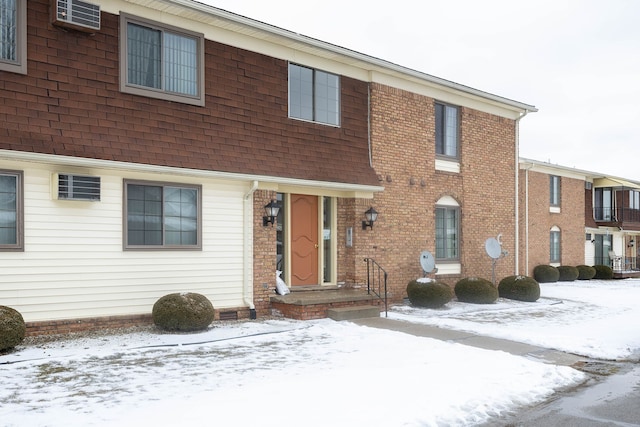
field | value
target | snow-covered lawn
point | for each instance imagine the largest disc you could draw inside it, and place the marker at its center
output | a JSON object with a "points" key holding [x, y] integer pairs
{"points": [[320, 373], [595, 318]]}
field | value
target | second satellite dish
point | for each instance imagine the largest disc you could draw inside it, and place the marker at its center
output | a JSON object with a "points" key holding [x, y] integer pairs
{"points": [[493, 247], [427, 261]]}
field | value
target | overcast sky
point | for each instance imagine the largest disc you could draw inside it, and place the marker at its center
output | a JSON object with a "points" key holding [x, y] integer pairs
{"points": [[577, 61]]}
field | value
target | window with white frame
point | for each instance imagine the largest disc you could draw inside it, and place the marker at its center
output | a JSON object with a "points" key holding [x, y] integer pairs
{"points": [[314, 95], [160, 61], [13, 36], [447, 130], [447, 233], [554, 245], [554, 191], [162, 216], [11, 220]]}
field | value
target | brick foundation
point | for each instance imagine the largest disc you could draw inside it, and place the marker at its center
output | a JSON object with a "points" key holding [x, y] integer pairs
{"points": [[68, 326]]}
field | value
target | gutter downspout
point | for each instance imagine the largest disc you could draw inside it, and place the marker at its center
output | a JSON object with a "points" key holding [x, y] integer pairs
{"points": [[369, 121], [517, 189], [247, 291]]}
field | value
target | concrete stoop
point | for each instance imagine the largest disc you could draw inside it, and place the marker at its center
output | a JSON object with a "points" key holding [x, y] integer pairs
{"points": [[350, 313]]}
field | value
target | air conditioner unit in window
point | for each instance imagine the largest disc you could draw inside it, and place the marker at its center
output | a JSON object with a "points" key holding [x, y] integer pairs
{"points": [[76, 14], [78, 187]]}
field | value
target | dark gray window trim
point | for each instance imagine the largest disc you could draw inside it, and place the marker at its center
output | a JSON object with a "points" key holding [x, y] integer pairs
{"points": [[455, 158], [125, 87], [337, 125], [555, 189], [458, 228], [20, 65], [559, 258], [19, 246], [163, 184]]}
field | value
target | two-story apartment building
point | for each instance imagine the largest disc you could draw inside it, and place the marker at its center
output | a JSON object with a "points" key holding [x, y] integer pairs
{"points": [[570, 216], [141, 143]]}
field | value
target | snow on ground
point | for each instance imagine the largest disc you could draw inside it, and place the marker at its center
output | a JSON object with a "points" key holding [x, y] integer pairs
{"points": [[319, 373], [595, 318]]}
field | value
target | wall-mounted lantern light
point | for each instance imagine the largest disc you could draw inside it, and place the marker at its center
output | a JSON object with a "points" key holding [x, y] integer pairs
{"points": [[371, 215], [271, 210]]}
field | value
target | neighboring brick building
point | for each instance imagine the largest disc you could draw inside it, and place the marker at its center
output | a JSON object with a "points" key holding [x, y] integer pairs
{"points": [[129, 178], [569, 216], [552, 209]]}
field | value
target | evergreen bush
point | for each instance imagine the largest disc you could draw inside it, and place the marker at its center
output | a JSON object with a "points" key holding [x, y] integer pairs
{"points": [[521, 288], [476, 290], [12, 328], [586, 272], [567, 273], [183, 312], [603, 272], [546, 273], [428, 294]]}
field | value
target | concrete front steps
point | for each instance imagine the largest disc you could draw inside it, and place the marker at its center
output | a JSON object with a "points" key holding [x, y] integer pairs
{"points": [[317, 302]]}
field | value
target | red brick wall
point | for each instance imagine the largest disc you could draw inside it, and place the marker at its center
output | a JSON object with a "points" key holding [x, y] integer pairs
{"points": [[403, 142], [264, 255], [540, 220], [70, 104]]}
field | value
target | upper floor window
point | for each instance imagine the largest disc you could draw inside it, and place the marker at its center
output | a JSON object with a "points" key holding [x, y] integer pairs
{"points": [[554, 191], [10, 211], [13, 36], [634, 199], [554, 245], [447, 130], [447, 232], [161, 61], [314, 95], [162, 216], [603, 204]]}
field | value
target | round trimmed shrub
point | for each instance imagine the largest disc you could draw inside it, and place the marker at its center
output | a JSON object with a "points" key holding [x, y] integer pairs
{"points": [[476, 290], [567, 273], [521, 288], [546, 273], [183, 312], [603, 272], [428, 294], [586, 272], [12, 328]]}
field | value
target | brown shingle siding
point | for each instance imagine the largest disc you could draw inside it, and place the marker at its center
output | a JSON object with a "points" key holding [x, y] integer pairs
{"points": [[73, 78]]}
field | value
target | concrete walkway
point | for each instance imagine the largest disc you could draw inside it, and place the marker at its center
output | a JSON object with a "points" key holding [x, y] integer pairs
{"points": [[468, 338]]}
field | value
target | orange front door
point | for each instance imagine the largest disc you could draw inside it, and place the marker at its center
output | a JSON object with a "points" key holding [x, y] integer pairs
{"points": [[304, 240]]}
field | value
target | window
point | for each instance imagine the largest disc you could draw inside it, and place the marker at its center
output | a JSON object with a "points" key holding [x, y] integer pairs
{"points": [[162, 216], [554, 240], [10, 211], [447, 232], [634, 200], [314, 95], [554, 191], [161, 62], [447, 130], [13, 36], [603, 204]]}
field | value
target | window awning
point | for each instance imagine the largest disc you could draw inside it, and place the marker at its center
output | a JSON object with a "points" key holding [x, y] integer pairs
{"points": [[614, 182]]}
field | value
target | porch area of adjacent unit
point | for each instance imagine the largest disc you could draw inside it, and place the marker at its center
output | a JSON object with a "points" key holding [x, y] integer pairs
{"points": [[319, 302]]}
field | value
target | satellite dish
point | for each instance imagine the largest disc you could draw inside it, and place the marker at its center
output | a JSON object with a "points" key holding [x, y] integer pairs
{"points": [[493, 247], [427, 261]]}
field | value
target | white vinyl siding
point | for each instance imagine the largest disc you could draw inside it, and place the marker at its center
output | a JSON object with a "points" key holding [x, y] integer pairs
{"points": [[74, 265]]}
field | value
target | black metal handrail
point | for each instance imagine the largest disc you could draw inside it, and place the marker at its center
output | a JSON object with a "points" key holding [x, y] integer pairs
{"points": [[376, 280]]}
